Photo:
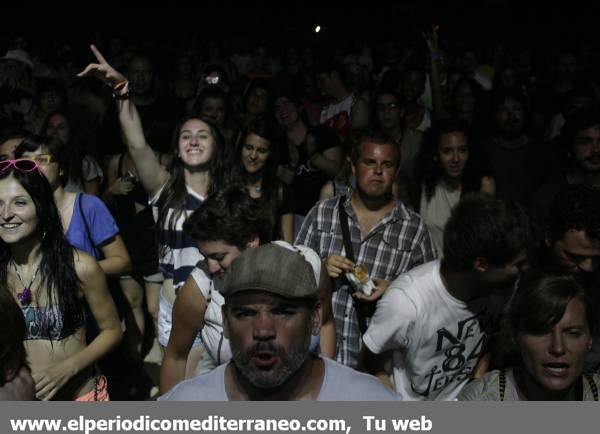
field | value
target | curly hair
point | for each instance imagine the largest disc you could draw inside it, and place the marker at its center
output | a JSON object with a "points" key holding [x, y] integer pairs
{"points": [[576, 208], [484, 226], [231, 216]]}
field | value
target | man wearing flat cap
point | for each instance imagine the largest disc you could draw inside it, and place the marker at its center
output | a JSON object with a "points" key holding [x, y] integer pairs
{"points": [[271, 310]]}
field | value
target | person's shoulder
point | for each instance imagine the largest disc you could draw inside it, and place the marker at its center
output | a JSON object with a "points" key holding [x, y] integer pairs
{"points": [[485, 388], [346, 384], [418, 278], [206, 387], [89, 202]]}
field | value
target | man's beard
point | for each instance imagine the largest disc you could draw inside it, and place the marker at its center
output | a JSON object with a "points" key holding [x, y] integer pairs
{"points": [[287, 365]]}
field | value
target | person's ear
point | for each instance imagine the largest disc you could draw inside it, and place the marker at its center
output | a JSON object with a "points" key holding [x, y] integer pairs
{"points": [[225, 321], [254, 241], [480, 264]]}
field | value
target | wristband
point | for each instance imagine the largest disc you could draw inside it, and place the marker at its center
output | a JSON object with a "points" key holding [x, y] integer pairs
{"points": [[121, 91]]}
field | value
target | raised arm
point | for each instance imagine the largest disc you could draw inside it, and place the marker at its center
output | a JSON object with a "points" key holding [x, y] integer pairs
{"points": [[151, 173], [431, 39]]}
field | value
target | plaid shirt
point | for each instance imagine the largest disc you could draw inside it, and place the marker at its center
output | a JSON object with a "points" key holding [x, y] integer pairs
{"points": [[398, 242]]}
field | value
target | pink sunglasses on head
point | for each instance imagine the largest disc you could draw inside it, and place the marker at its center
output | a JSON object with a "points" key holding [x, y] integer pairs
{"points": [[22, 164]]}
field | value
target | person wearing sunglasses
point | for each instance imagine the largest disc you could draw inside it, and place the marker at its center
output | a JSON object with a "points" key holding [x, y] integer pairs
{"points": [[50, 280], [88, 224], [196, 170]]}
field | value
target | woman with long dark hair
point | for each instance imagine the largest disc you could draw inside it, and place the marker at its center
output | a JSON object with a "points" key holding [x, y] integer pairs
{"points": [[254, 165], [194, 172], [50, 280], [448, 168]]}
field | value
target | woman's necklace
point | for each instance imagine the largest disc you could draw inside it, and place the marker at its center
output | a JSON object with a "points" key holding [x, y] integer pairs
{"points": [[25, 296]]}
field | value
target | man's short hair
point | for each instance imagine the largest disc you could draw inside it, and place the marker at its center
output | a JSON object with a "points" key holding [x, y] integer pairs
{"points": [[232, 216], [576, 208], [368, 136], [482, 226]]}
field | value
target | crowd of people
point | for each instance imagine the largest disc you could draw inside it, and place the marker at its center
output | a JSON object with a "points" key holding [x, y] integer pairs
{"points": [[302, 224]]}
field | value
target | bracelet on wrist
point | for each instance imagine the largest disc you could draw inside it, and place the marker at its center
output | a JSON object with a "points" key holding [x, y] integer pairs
{"points": [[121, 91]]}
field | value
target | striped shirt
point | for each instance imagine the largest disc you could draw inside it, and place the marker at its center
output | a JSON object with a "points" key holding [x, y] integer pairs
{"points": [[177, 259], [398, 242]]}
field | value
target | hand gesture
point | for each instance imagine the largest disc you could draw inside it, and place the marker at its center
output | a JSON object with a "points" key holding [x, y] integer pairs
{"points": [[432, 41], [381, 285], [121, 187], [50, 381], [102, 70], [337, 264]]}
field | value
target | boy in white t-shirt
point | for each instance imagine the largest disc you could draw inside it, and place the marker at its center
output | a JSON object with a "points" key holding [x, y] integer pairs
{"points": [[436, 318]]}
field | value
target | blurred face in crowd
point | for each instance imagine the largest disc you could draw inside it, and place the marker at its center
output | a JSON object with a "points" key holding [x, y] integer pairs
{"points": [[141, 76], [269, 335], [554, 360], [196, 143], [220, 254], [50, 101], [586, 149], [257, 101], [47, 163], [375, 170], [387, 110], [413, 85], [510, 117], [255, 153], [214, 109], [576, 252], [508, 78], [286, 112], [464, 98], [452, 154], [7, 149], [58, 126]]}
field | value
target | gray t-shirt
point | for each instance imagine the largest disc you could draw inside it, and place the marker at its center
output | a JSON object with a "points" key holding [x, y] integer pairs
{"points": [[340, 383]]}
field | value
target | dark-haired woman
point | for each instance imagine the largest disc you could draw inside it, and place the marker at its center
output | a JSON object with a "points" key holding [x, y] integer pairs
{"points": [[50, 280], [254, 165], [446, 171], [548, 334], [195, 171]]}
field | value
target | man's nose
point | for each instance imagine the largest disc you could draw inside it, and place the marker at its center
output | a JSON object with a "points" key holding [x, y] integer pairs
{"points": [[264, 327]]}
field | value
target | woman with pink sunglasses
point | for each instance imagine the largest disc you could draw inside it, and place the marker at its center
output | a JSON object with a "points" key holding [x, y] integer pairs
{"points": [[50, 280]]}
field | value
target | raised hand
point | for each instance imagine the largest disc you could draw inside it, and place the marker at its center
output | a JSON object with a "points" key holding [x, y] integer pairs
{"points": [[102, 70], [432, 40]]}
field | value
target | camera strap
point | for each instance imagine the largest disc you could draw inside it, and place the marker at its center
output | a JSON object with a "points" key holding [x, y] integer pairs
{"points": [[358, 306]]}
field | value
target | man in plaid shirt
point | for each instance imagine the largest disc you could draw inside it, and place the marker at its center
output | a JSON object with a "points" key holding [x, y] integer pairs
{"points": [[386, 237]]}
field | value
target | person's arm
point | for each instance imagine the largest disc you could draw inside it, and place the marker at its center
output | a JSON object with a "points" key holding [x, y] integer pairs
{"points": [[117, 186], [327, 342], [97, 296], [328, 161], [287, 227], [152, 175], [360, 114], [19, 388], [375, 365], [188, 319], [116, 258], [437, 96]]}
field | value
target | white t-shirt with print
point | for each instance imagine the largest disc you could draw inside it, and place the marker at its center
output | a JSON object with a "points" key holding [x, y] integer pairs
{"points": [[436, 339]]}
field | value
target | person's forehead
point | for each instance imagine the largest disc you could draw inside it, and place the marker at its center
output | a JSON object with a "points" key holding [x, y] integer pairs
{"points": [[210, 247], [579, 241], [377, 150]]}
